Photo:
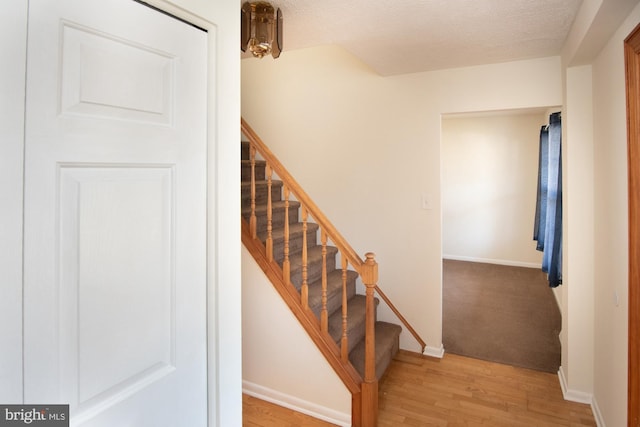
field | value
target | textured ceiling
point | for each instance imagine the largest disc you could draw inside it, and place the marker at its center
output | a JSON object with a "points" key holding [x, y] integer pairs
{"points": [[406, 36]]}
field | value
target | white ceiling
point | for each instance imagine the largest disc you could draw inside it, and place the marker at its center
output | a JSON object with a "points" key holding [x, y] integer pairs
{"points": [[406, 36]]}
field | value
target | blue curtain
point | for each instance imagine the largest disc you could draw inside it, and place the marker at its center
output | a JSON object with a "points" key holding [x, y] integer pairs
{"points": [[541, 201], [547, 229]]}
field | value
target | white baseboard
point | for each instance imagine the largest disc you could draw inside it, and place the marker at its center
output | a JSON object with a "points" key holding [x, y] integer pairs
{"points": [[581, 397], [573, 395], [493, 261], [434, 351], [291, 402], [597, 414]]}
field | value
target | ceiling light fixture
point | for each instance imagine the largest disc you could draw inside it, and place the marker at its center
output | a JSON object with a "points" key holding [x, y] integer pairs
{"points": [[261, 29]]}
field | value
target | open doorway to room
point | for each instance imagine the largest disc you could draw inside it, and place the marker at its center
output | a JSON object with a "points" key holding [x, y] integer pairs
{"points": [[496, 301]]}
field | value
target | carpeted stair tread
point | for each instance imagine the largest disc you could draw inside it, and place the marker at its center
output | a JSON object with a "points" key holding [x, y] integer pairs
{"points": [[244, 185], [245, 170], [334, 292], [314, 255], [247, 162], [356, 310], [277, 217], [261, 192], [295, 230], [314, 264], [296, 241], [387, 345], [279, 205]]}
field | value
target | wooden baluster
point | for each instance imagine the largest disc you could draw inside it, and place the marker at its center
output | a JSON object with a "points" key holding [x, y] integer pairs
{"points": [[253, 222], [269, 242], [344, 344], [369, 275], [324, 316], [304, 292], [286, 265]]}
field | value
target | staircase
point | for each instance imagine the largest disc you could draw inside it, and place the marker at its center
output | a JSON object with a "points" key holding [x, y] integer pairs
{"points": [[313, 276], [387, 334]]}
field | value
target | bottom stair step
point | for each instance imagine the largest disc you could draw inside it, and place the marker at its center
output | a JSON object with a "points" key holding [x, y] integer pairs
{"points": [[387, 346]]}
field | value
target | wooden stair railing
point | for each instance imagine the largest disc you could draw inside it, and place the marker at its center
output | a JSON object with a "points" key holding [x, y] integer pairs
{"points": [[364, 390]]}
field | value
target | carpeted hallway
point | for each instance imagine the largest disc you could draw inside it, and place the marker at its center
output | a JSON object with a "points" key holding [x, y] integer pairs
{"points": [[502, 314]]}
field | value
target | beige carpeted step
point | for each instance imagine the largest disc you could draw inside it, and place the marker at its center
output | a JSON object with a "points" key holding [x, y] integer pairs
{"points": [[261, 192], [314, 264], [334, 292], [296, 234], [277, 215], [245, 170], [387, 346], [355, 323]]}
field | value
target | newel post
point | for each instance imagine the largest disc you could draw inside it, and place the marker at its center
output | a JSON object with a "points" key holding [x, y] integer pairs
{"points": [[370, 385]]}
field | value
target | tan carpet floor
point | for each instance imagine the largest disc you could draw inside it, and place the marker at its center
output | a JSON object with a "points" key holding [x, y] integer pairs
{"points": [[501, 314]]}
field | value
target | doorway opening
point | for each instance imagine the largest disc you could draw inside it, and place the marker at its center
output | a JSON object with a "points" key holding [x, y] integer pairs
{"points": [[491, 268]]}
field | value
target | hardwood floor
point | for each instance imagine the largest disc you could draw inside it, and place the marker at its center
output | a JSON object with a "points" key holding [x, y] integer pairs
{"points": [[256, 412], [460, 391], [452, 391]]}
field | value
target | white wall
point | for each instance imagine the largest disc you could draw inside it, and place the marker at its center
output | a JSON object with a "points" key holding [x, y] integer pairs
{"points": [[301, 379], [577, 290], [366, 148], [489, 176], [225, 378], [611, 227]]}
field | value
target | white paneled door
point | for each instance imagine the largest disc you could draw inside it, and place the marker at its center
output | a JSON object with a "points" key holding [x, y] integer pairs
{"points": [[115, 214]]}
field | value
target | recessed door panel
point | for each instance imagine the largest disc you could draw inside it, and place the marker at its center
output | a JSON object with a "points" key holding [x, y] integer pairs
{"points": [[107, 77], [116, 279]]}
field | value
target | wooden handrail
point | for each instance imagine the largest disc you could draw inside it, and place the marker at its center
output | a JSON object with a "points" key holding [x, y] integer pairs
{"points": [[402, 319], [337, 239]]}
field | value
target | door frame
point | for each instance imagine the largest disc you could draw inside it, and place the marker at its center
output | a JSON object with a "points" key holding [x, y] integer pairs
{"points": [[632, 84], [13, 41]]}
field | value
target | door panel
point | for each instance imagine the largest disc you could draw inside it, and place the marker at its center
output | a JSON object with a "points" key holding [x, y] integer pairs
{"points": [[106, 77], [117, 287], [115, 214]]}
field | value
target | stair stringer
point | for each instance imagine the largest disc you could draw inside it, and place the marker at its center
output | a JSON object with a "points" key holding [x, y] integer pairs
{"points": [[281, 364], [345, 371]]}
